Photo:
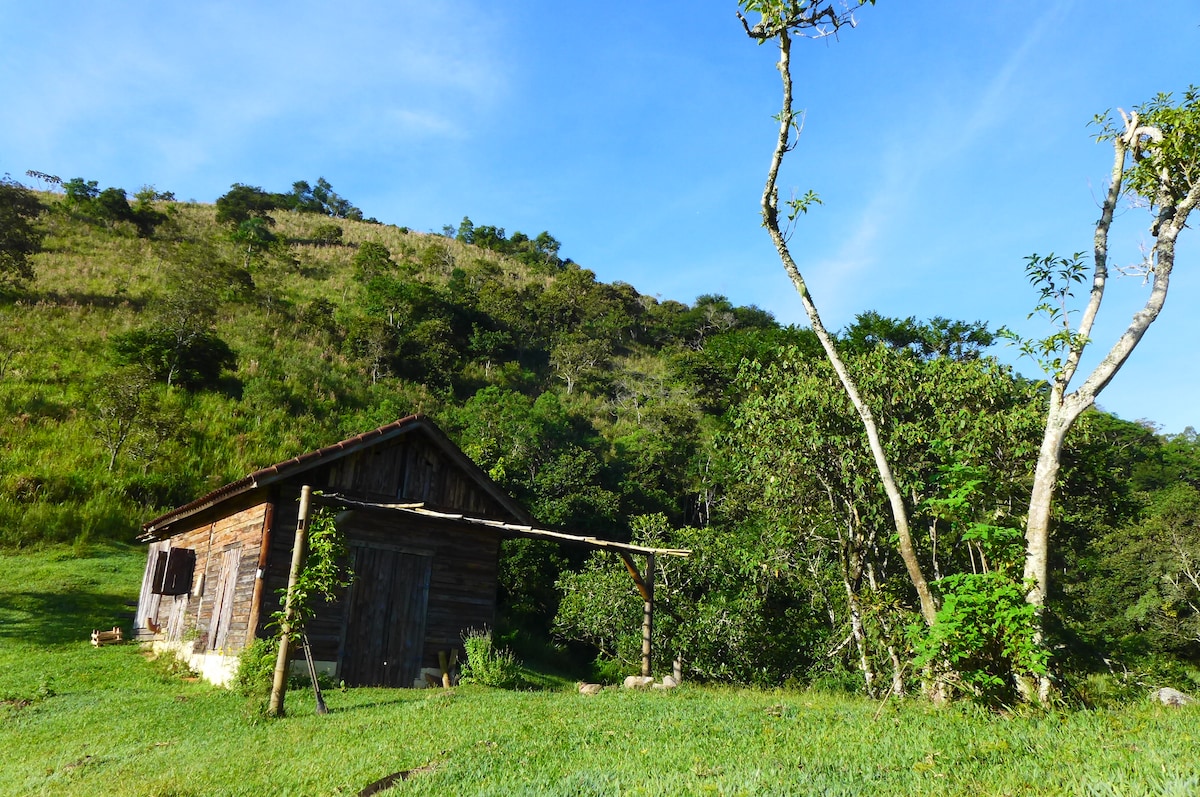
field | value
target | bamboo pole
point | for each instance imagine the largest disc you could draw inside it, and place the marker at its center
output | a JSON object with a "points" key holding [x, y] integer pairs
{"points": [[647, 614], [633, 571], [279, 686]]}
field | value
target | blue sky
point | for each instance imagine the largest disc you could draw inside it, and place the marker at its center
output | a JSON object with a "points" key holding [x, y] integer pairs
{"points": [[948, 140]]}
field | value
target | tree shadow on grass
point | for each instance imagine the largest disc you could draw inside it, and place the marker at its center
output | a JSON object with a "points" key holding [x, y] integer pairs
{"points": [[83, 298], [391, 697], [61, 618]]}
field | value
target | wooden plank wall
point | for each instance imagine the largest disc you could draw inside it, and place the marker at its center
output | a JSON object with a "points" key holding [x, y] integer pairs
{"points": [[462, 583], [409, 468], [462, 588], [279, 558], [178, 615], [223, 600], [385, 629], [148, 602]]}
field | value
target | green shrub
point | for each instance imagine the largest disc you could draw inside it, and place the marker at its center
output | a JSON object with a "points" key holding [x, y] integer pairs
{"points": [[833, 679], [1133, 681], [984, 633], [488, 664], [256, 669], [327, 234], [169, 668], [607, 670]]}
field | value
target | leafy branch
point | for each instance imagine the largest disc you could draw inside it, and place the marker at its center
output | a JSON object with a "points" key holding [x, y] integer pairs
{"points": [[325, 572], [813, 19], [1055, 278]]}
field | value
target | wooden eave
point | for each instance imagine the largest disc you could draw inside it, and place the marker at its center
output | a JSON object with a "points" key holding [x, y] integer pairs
{"points": [[159, 527]]}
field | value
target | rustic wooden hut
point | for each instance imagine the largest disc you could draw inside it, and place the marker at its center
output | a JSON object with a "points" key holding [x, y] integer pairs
{"points": [[422, 577]]}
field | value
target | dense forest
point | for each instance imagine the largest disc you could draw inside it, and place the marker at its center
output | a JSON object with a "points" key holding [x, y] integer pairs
{"points": [[152, 350]]}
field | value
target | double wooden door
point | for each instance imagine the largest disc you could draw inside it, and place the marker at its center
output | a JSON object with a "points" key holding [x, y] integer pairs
{"points": [[384, 629]]}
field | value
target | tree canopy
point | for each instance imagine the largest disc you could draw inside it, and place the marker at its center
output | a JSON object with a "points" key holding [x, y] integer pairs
{"points": [[19, 236]]}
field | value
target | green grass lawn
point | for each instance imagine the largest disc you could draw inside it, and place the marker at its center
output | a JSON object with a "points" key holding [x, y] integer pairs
{"points": [[80, 721]]}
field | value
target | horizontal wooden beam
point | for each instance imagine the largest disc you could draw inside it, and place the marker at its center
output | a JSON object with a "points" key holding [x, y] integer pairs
{"points": [[513, 529]]}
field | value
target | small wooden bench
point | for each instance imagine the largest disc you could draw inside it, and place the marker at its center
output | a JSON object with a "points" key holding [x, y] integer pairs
{"points": [[113, 637]]}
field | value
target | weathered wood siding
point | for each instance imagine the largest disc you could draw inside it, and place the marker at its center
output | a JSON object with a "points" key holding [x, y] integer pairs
{"points": [[462, 578], [148, 602], [462, 589], [410, 469], [429, 578], [384, 633], [226, 561]]}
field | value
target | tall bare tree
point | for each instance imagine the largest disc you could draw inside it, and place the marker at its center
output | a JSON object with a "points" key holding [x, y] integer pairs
{"points": [[780, 21], [1156, 162]]}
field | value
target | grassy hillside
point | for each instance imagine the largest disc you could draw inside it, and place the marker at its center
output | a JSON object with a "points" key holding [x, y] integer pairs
{"points": [[322, 345], [80, 721]]}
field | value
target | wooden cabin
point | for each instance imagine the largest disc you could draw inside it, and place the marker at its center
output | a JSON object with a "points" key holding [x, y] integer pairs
{"points": [[216, 566]]}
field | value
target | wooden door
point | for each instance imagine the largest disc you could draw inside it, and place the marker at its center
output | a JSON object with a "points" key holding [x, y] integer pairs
{"points": [[222, 613], [384, 632]]}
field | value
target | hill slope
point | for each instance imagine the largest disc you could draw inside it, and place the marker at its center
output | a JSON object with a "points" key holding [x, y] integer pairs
{"points": [[140, 370]]}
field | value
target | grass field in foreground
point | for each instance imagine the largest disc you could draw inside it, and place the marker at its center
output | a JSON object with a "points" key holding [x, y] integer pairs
{"points": [[79, 721]]}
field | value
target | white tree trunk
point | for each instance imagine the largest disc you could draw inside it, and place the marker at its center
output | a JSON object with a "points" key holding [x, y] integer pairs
{"points": [[1065, 407], [770, 211]]}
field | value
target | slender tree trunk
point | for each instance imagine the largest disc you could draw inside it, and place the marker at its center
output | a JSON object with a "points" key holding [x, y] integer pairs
{"points": [[1037, 535], [770, 212], [851, 577], [897, 665], [886, 628], [860, 638], [1065, 407], [1037, 529]]}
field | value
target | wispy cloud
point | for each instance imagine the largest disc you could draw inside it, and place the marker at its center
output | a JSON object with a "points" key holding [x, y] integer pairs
{"points": [[199, 84], [865, 260], [997, 101], [839, 281], [422, 122]]}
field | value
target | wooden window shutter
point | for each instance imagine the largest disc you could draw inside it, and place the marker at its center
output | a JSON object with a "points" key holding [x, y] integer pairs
{"points": [[160, 570], [173, 571]]}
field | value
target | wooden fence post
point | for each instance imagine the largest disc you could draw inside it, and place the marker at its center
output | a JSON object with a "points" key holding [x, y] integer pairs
{"points": [[279, 686], [648, 615]]}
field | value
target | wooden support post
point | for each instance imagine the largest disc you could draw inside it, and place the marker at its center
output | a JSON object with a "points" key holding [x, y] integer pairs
{"points": [[648, 614], [279, 686], [645, 585], [633, 571], [260, 576]]}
